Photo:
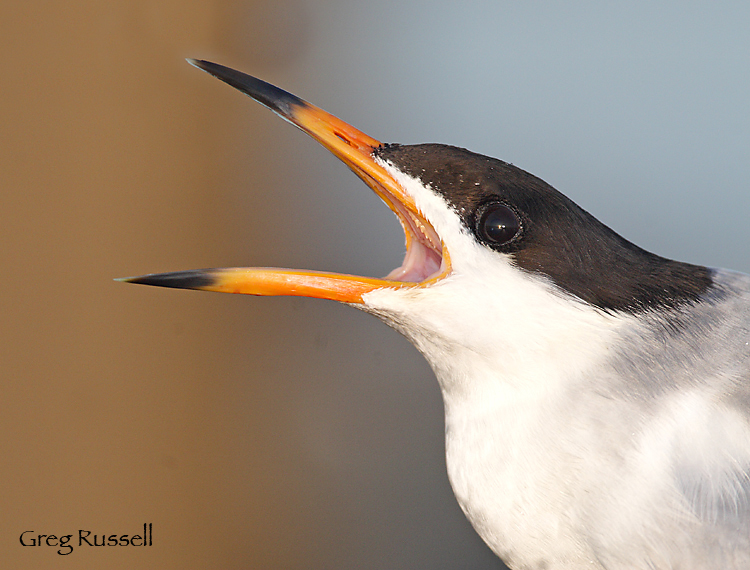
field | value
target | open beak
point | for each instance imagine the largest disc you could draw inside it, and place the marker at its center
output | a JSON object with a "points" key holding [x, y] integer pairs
{"points": [[426, 259]]}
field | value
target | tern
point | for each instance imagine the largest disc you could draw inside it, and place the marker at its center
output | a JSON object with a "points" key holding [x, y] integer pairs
{"points": [[597, 396]]}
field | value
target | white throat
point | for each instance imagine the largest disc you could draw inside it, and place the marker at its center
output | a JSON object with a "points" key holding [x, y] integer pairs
{"points": [[510, 351]]}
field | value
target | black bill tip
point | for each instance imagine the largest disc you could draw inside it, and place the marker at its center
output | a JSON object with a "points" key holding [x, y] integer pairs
{"points": [[194, 279], [278, 100]]}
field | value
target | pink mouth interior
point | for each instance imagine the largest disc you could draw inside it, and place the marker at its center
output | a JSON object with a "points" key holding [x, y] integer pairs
{"points": [[424, 251], [420, 263]]}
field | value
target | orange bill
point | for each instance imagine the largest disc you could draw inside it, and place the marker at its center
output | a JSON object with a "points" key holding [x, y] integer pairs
{"points": [[426, 259]]}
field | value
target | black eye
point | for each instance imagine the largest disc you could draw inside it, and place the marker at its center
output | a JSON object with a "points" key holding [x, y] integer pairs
{"points": [[498, 224]]}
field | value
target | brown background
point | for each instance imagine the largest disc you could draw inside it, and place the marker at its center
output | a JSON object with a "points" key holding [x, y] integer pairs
{"points": [[289, 433], [234, 426]]}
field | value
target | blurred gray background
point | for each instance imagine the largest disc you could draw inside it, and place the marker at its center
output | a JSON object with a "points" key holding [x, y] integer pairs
{"points": [[291, 433]]}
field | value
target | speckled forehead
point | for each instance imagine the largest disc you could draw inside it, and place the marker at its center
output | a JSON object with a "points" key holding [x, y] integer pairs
{"points": [[465, 179]]}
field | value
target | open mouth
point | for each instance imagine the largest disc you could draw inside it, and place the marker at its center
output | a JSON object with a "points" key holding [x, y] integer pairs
{"points": [[426, 260]]}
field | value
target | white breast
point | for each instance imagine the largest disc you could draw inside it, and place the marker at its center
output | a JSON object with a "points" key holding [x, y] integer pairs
{"points": [[568, 431], [509, 374], [566, 427]]}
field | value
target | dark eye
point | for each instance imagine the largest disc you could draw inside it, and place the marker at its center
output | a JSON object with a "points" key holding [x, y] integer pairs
{"points": [[498, 224]]}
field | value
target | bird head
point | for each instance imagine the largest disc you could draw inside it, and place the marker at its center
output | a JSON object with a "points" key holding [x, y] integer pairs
{"points": [[494, 255]]}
